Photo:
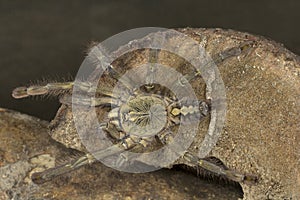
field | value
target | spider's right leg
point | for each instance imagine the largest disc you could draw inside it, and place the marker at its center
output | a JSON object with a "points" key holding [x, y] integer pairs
{"points": [[243, 48], [220, 170]]}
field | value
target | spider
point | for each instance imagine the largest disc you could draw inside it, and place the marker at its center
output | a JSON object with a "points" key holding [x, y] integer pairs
{"points": [[140, 118]]}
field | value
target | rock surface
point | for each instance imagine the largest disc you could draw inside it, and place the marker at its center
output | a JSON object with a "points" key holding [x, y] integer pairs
{"points": [[261, 134], [25, 147], [262, 129]]}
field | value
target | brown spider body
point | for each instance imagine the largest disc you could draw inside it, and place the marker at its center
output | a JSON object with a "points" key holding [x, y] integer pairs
{"points": [[138, 119]]}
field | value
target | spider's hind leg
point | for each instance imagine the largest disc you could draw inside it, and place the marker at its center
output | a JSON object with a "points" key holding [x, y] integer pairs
{"points": [[220, 169]]}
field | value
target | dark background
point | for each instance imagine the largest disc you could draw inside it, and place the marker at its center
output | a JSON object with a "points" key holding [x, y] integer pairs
{"points": [[47, 39]]}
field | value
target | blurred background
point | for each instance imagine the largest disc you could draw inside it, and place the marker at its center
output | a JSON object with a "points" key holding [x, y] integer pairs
{"points": [[47, 39]]}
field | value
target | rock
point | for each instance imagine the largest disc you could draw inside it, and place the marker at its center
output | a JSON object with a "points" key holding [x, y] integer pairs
{"points": [[262, 129], [26, 147], [260, 137]]}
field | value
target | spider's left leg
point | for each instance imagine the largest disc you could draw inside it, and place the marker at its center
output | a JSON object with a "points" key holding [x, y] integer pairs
{"points": [[219, 170], [124, 145], [54, 88], [90, 101], [60, 88], [49, 174]]}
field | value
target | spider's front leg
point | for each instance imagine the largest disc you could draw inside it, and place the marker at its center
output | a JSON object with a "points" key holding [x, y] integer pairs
{"points": [[86, 87], [54, 89], [50, 89], [60, 88]]}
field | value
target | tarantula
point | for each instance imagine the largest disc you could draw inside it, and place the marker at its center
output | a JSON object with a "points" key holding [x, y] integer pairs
{"points": [[139, 118]]}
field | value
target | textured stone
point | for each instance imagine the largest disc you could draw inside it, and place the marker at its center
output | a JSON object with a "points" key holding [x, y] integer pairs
{"points": [[25, 141], [261, 133], [262, 130]]}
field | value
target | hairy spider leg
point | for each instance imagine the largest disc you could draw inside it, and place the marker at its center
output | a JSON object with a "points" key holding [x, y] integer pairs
{"points": [[125, 144], [49, 174], [34, 90], [100, 58], [212, 167], [90, 101], [150, 77], [109, 98], [218, 58], [58, 88]]}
